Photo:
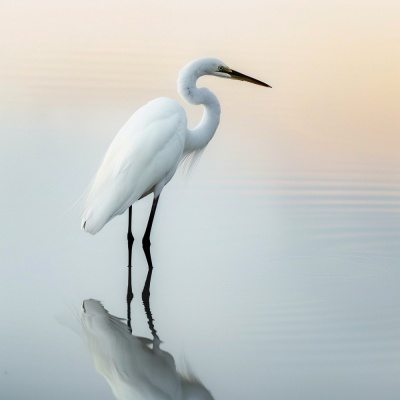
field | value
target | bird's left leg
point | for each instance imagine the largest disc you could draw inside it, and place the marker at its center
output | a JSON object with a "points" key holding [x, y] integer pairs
{"points": [[129, 294], [146, 238]]}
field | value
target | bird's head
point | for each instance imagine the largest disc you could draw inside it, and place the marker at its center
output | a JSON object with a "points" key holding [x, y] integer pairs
{"points": [[215, 67]]}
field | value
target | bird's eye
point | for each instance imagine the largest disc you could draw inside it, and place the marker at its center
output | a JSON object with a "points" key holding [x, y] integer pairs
{"points": [[220, 68]]}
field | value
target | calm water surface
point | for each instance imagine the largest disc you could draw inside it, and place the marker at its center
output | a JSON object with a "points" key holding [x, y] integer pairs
{"points": [[267, 283]]}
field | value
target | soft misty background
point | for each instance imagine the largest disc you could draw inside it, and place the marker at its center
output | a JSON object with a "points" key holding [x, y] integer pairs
{"points": [[277, 268]]}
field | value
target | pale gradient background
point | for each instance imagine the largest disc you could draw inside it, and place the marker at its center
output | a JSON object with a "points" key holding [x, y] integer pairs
{"points": [[277, 263]]}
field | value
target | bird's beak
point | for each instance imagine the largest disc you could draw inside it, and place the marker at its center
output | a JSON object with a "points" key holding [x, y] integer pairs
{"points": [[241, 77]]}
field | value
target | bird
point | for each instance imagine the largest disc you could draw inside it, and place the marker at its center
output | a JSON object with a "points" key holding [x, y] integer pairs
{"points": [[146, 152]]}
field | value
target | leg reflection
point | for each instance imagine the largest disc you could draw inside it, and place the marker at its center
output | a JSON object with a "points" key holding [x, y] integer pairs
{"points": [[146, 291]]}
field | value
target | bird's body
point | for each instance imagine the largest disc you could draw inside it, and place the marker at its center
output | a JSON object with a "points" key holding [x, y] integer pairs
{"points": [[147, 150], [141, 160]]}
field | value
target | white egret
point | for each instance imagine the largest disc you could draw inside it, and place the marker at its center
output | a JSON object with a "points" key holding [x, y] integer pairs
{"points": [[146, 152]]}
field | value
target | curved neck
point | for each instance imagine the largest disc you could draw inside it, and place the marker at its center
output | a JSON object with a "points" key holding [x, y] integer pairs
{"points": [[199, 137]]}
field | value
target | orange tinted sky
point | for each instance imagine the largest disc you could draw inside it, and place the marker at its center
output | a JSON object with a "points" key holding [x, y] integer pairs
{"points": [[334, 66]]}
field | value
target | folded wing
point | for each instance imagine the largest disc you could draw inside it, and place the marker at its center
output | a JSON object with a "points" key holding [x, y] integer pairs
{"points": [[141, 159]]}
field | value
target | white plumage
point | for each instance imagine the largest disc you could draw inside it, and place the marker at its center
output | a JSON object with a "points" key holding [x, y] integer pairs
{"points": [[147, 150], [141, 159]]}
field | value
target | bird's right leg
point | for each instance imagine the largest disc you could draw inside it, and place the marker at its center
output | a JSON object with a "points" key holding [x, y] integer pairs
{"points": [[129, 294], [146, 237], [130, 238]]}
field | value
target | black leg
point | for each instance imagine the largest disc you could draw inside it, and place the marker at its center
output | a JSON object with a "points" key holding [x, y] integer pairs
{"points": [[129, 294], [146, 237], [130, 237]]}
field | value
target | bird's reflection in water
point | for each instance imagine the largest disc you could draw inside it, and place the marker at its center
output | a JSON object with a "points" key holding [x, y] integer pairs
{"points": [[135, 367]]}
